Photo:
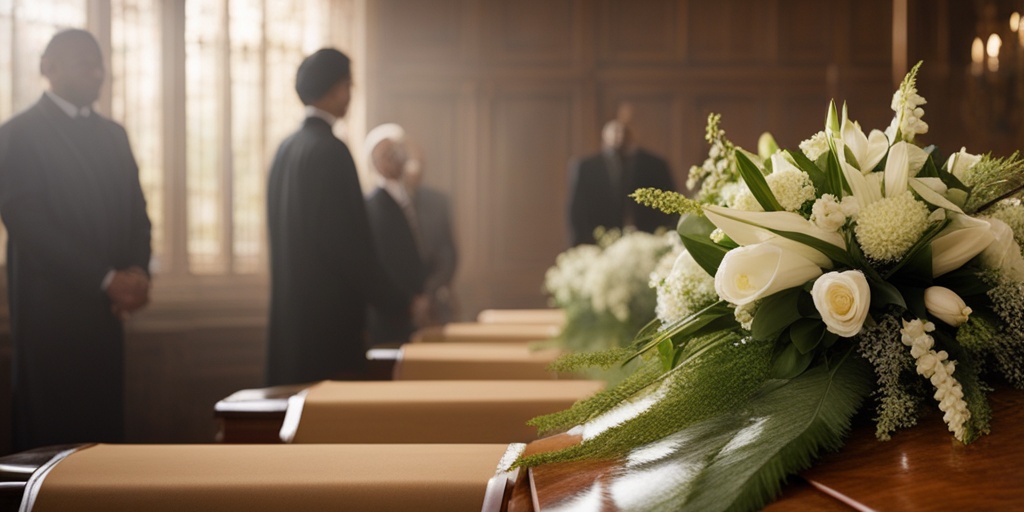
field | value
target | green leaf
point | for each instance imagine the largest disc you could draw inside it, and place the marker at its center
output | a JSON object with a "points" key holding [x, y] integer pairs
{"points": [[884, 294], [695, 231], [929, 170], [782, 431], [965, 282], [756, 183], [915, 301], [790, 362], [775, 313], [917, 268], [834, 173], [685, 327], [832, 252], [806, 334], [667, 351], [924, 242], [805, 164]]}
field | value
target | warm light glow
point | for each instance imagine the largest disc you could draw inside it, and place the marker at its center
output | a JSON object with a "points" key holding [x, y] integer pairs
{"points": [[1015, 21], [993, 45], [977, 50]]}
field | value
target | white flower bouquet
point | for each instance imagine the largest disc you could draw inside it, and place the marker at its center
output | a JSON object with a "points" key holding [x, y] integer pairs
{"points": [[604, 288], [860, 270]]}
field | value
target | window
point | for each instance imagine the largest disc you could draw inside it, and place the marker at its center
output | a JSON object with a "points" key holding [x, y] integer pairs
{"points": [[26, 26], [204, 89]]}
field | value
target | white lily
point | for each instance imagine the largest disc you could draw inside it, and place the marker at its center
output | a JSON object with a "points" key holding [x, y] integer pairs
{"points": [[960, 162], [905, 161], [964, 238], [749, 273], [749, 228], [868, 150], [866, 188], [933, 191]]}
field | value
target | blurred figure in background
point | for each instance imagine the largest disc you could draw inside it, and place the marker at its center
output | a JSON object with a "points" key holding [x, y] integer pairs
{"points": [[437, 242], [78, 252], [396, 234], [323, 266], [599, 186]]}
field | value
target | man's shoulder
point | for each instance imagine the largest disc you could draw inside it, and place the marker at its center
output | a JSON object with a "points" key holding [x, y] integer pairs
{"points": [[591, 161]]}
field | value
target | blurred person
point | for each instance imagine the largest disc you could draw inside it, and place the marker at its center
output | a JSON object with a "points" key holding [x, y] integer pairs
{"points": [[437, 242], [396, 233], [77, 253], [324, 269], [600, 184]]}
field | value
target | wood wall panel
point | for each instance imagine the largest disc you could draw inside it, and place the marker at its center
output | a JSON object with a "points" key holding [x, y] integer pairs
{"points": [[531, 134], [430, 120], [733, 32], [534, 31], [421, 29], [801, 40], [641, 30], [871, 32]]}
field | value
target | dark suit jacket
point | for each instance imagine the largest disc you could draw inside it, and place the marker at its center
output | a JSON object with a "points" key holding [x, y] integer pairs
{"points": [[71, 201], [324, 270], [399, 255], [593, 202]]}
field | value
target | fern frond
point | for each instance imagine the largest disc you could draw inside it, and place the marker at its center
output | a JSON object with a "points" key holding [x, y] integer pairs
{"points": [[992, 180]]}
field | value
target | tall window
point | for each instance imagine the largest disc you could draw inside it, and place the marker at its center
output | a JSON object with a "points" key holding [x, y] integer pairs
{"points": [[25, 28], [136, 93], [205, 89], [240, 62]]}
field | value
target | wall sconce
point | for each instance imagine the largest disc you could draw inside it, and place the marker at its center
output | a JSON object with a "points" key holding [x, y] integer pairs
{"points": [[995, 83]]}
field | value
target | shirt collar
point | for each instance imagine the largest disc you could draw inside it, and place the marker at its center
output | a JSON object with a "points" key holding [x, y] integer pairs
{"points": [[72, 110], [312, 111]]}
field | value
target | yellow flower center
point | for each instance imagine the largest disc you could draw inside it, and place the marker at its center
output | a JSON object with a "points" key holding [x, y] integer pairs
{"points": [[743, 282], [840, 300]]}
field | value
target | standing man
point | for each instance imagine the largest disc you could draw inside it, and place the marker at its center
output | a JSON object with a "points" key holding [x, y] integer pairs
{"points": [[324, 270], [77, 254], [600, 185], [396, 232]]}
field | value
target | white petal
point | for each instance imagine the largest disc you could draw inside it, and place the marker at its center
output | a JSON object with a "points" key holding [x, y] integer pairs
{"points": [[931, 196], [964, 238]]}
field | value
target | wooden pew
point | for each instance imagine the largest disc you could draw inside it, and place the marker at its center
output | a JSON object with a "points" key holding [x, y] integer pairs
{"points": [[400, 411], [254, 478], [476, 332], [554, 317], [479, 361]]}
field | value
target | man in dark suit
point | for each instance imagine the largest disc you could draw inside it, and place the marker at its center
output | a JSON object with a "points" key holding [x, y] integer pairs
{"points": [[396, 232], [77, 254], [437, 242], [324, 269], [600, 185]]}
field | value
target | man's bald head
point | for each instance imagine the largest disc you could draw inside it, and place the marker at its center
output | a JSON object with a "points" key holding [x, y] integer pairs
{"points": [[73, 64]]}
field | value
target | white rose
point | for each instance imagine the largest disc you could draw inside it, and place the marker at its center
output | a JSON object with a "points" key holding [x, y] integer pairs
{"points": [[842, 298], [946, 305], [755, 271]]}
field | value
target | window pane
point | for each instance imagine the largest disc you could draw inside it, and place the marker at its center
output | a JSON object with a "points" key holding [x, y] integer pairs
{"points": [[204, 61], [25, 28], [135, 66], [246, 32]]}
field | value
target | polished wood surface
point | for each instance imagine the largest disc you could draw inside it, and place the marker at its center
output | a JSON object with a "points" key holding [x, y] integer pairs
{"points": [[920, 469], [476, 361]]}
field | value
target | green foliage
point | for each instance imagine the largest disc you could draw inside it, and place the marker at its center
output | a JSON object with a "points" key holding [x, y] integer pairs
{"points": [[758, 186], [666, 201], [899, 390], [695, 232], [586, 409], [718, 376], [992, 180], [575, 361]]}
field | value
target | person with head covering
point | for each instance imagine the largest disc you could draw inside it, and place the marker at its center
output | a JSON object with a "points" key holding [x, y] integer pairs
{"points": [[77, 254], [437, 241], [323, 267], [600, 184], [396, 232]]}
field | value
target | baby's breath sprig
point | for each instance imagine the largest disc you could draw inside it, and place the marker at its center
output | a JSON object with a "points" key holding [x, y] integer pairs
{"points": [[667, 201]]}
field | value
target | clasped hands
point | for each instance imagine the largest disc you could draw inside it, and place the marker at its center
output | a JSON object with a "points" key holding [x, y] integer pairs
{"points": [[128, 291]]}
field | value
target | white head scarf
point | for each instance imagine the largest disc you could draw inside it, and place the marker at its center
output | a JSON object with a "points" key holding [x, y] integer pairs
{"points": [[387, 131]]}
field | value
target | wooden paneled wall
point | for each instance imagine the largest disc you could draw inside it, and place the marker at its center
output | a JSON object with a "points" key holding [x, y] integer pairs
{"points": [[502, 94]]}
